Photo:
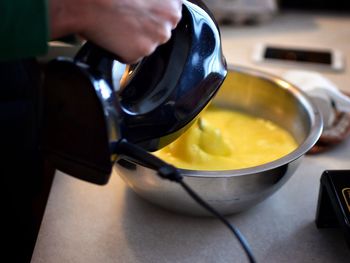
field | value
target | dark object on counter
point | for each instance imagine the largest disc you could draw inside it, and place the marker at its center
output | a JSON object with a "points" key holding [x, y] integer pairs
{"points": [[92, 102], [333, 208]]}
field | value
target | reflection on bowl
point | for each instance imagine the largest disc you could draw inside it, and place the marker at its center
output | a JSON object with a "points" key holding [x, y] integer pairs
{"points": [[231, 191]]}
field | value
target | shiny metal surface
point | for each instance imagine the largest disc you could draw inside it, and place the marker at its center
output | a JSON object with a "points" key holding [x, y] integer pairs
{"points": [[256, 93]]}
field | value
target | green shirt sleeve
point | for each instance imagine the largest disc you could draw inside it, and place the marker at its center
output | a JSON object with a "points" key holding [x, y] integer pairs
{"points": [[23, 28]]}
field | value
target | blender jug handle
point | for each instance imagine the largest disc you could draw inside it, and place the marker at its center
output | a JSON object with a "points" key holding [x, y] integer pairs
{"points": [[80, 115]]}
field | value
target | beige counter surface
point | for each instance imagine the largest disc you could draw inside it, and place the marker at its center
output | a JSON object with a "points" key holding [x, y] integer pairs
{"points": [[89, 223]]}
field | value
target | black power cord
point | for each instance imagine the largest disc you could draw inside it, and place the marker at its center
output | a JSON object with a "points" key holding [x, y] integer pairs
{"points": [[167, 171]]}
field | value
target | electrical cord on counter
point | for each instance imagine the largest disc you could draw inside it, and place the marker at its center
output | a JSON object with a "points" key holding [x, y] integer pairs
{"points": [[167, 171]]}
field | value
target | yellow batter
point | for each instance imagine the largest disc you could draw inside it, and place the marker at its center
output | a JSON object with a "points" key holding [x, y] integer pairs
{"points": [[224, 139]]}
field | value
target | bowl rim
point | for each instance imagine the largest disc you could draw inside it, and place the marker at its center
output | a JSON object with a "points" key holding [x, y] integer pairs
{"points": [[310, 140]]}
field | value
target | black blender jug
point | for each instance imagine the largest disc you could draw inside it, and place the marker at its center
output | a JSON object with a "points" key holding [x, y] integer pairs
{"points": [[92, 102]]}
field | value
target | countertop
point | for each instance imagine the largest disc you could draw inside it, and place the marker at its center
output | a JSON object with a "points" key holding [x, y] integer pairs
{"points": [[90, 223]]}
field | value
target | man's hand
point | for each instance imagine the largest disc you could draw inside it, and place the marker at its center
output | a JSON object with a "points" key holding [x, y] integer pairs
{"points": [[131, 29]]}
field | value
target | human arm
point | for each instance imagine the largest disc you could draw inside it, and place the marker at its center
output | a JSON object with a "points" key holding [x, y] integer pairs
{"points": [[129, 28]]}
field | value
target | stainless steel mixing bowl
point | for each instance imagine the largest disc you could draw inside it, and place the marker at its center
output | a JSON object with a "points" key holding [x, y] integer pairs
{"points": [[256, 93]]}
